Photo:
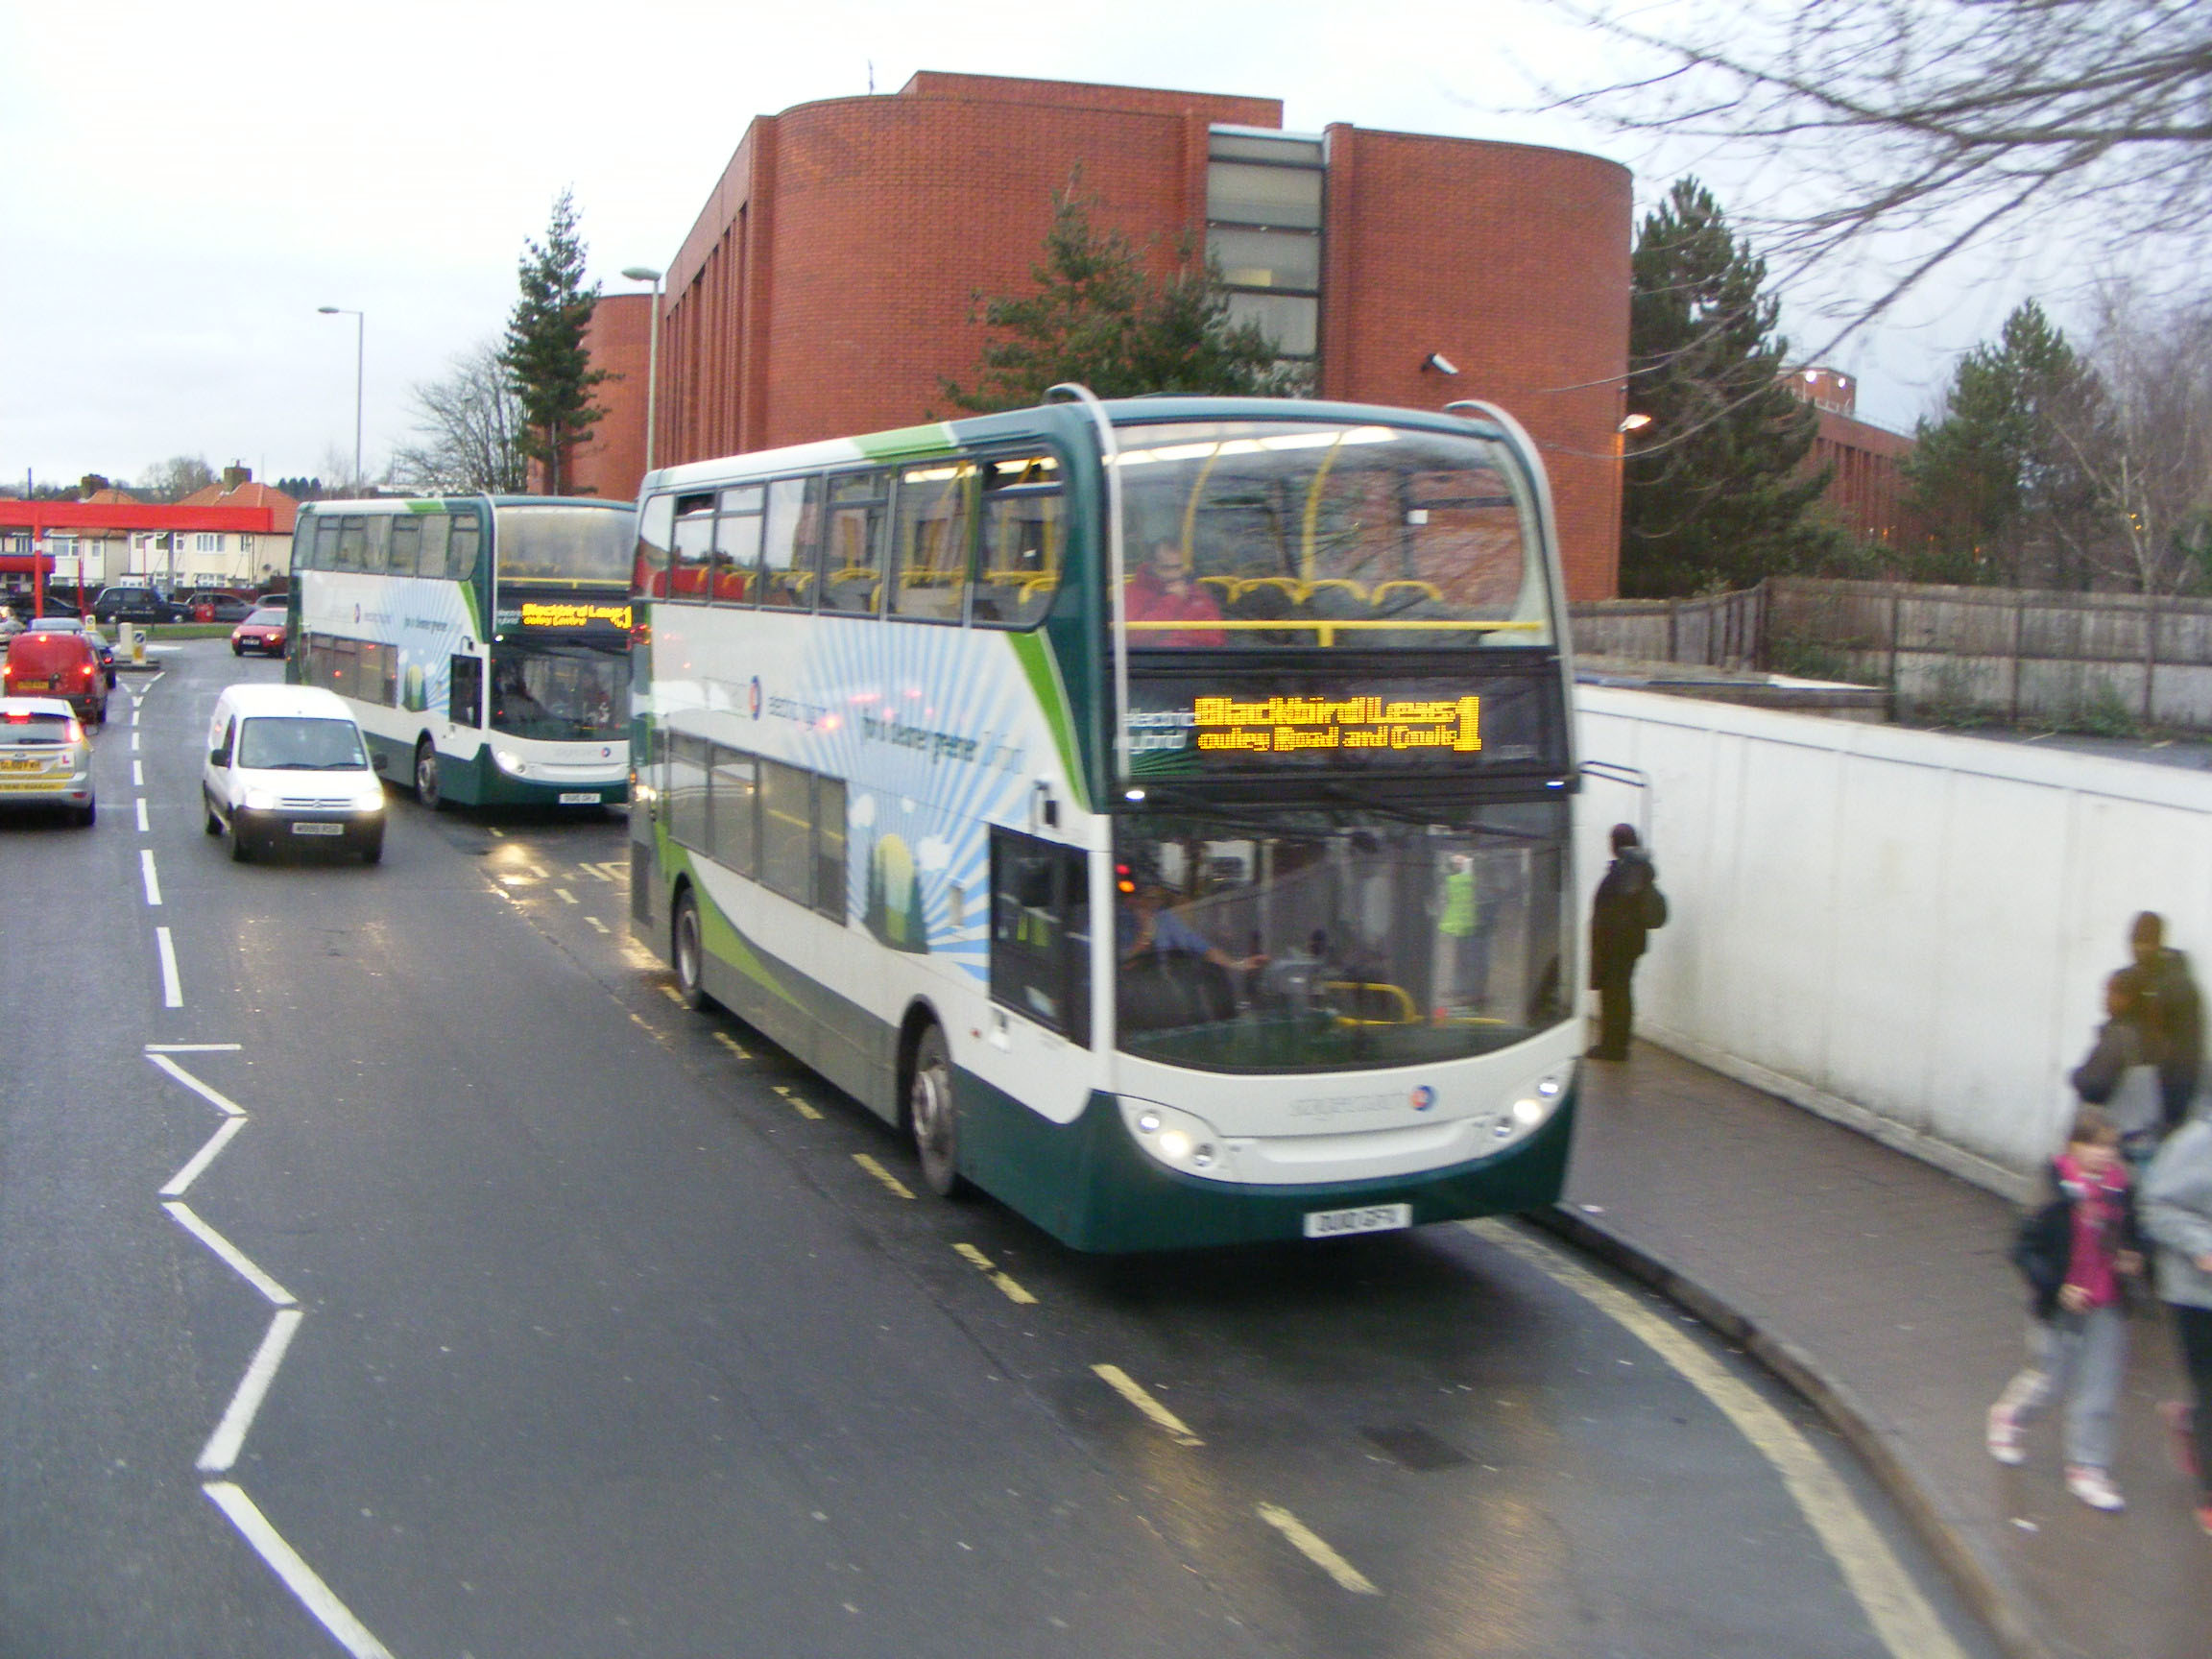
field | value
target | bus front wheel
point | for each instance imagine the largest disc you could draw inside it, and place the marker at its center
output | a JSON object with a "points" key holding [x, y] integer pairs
{"points": [[688, 953], [930, 1115], [426, 789]]}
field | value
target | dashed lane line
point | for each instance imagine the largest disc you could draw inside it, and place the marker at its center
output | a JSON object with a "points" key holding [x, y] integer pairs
{"points": [[1893, 1606], [299, 1578], [1007, 1285], [889, 1180], [134, 743], [146, 870], [674, 996], [1315, 1549], [737, 1048], [1138, 1396], [141, 814], [137, 774], [193, 1048], [594, 922], [172, 987], [564, 895], [815, 1116]]}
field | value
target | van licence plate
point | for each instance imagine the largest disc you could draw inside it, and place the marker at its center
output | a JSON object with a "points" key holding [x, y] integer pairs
{"points": [[318, 829], [1367, 1218], [579, 798]]}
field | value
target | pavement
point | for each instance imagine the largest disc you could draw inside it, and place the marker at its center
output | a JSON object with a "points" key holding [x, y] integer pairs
{"points": [[1877, 1287]]}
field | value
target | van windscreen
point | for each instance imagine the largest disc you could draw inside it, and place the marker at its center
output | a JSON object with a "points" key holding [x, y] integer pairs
{"points": [[300, 743]]}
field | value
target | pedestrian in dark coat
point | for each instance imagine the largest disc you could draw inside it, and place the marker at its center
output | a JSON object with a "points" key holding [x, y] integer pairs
{"points": [[1627, 907], [2177, 1214], [2171, 1014]]}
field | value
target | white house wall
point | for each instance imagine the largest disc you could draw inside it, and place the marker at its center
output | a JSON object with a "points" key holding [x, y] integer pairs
{"points": [[1907, 930]]}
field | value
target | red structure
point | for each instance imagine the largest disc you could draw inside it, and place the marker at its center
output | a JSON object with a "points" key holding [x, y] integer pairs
{"points": [[828, 285]]}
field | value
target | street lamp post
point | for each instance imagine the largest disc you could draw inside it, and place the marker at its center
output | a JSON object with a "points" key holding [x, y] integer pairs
{"points": [[646, 274], [360, 350]]}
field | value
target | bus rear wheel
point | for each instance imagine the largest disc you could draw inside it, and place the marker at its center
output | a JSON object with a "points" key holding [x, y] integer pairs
{"points": [[688, 951], [426, 789], [931, 1117]]}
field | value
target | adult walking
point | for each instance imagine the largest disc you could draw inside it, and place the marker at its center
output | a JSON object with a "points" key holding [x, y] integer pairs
{"points": [[2170, 1015], [2177, 1214], [1627, 907]]}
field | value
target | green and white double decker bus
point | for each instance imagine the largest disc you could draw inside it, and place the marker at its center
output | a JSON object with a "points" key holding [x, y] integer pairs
{"points": [[1161, 808], [482, 641]]}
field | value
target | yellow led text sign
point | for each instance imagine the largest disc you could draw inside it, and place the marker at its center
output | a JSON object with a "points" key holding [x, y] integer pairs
{"points": [[1282, 725], [538, 613]]}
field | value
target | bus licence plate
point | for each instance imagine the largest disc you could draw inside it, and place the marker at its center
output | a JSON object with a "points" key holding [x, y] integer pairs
{"points": [[318, 829], [1367, 1218], [579, 798]]}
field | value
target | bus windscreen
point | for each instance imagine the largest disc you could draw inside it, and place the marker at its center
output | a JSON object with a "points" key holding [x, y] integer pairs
{"points": [[565, 543]]}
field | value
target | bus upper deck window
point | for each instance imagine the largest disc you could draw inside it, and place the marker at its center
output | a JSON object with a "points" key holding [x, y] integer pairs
{"points": [[462, 544], [693, 548], [932, 521], [407, 544], [655, 533], [860, 518], [1024, 541]]}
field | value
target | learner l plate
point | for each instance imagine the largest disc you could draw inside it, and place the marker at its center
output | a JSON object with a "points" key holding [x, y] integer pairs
{"points": [[318, 829], [1367, 1218], [579, 798]]}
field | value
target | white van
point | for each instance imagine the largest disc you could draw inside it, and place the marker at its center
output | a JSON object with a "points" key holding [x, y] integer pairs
{"points": [[286, 766]]}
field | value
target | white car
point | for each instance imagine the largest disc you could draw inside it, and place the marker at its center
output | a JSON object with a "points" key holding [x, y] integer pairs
{"points": [[286, 767], [45, 759]]}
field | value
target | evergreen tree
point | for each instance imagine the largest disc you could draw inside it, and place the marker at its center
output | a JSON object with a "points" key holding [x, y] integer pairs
{"points": [[1715, 490], [543, 356], [1999, 479], [1099, 318]]}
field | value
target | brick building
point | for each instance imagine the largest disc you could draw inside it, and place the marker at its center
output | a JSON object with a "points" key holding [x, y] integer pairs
{"points": [[828, 283], [1866, 495]]}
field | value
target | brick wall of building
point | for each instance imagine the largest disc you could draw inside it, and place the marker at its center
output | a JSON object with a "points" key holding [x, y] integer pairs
{"points": [[612, 461], [828, 285]]}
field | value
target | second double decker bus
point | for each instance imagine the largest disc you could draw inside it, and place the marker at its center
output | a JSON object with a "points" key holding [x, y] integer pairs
{"points": [[1160, 806], [482, 641]]}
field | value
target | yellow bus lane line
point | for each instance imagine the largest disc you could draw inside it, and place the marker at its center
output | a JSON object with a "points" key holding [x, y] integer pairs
{"points": [[1138, 1396], [1008, 1287], [1315, 1549], [732, 1045], [1899, 1614], [889, 1180]]}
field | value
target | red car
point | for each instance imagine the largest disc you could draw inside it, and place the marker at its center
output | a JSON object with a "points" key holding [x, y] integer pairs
{"points": [[263, 631], [52, 663]]}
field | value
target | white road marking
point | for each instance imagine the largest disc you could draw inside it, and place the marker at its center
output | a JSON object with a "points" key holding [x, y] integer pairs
{"points": [[134, 743], [233, 1257], [182, 1180], [1136, 1393], [539, 871], [1315, 1549], [194, 1048], [299, 1578], [596, 870], [221, 1448], [134, 714], [567, 897], [172, 988], [222, 1103], [141, 814], [152, 881], [594, 922], [137, 774], [1893, 1606]]}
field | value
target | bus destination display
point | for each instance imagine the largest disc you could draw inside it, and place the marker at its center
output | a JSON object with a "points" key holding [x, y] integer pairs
{"points": [[1187, 728]]}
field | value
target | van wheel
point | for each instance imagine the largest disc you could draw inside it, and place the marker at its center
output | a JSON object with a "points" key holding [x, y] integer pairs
{"points": [[426, 789], [241, 850], [688, 951], [373, 852], [931, 1117], [214, 825]]}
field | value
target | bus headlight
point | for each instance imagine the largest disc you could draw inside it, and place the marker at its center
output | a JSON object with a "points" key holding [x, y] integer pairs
{"points": [[509, 760], [1533, 1105], [1175, 1138]]}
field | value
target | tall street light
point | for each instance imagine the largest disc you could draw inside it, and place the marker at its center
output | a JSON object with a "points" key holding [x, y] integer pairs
{"points": [[360, 336], [646, 274]]}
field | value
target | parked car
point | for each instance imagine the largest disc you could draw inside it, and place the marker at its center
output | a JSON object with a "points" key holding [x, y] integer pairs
{"points": [[141, 605], [26, 605], [58, 662], [45, 758], [285, 765], [216, 605], [262, 631]]}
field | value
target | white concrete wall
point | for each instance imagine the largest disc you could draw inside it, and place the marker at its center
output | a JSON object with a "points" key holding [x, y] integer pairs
{"points": [[1907, 930]]}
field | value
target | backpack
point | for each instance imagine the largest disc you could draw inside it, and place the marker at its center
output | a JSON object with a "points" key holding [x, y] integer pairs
{"points": [[1654, 907], [2042, 1250]]}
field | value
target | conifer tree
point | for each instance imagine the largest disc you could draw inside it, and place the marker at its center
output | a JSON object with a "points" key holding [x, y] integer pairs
{"points": [[543, 355], [1097, 317], [2000, 479], [1715, 493]]}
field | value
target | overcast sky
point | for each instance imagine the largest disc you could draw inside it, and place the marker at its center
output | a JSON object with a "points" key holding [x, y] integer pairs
{"points": [[184, 184]]}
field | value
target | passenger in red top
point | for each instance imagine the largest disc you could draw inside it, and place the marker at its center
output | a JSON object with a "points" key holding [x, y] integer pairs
{"points": [[1163, 591]]}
